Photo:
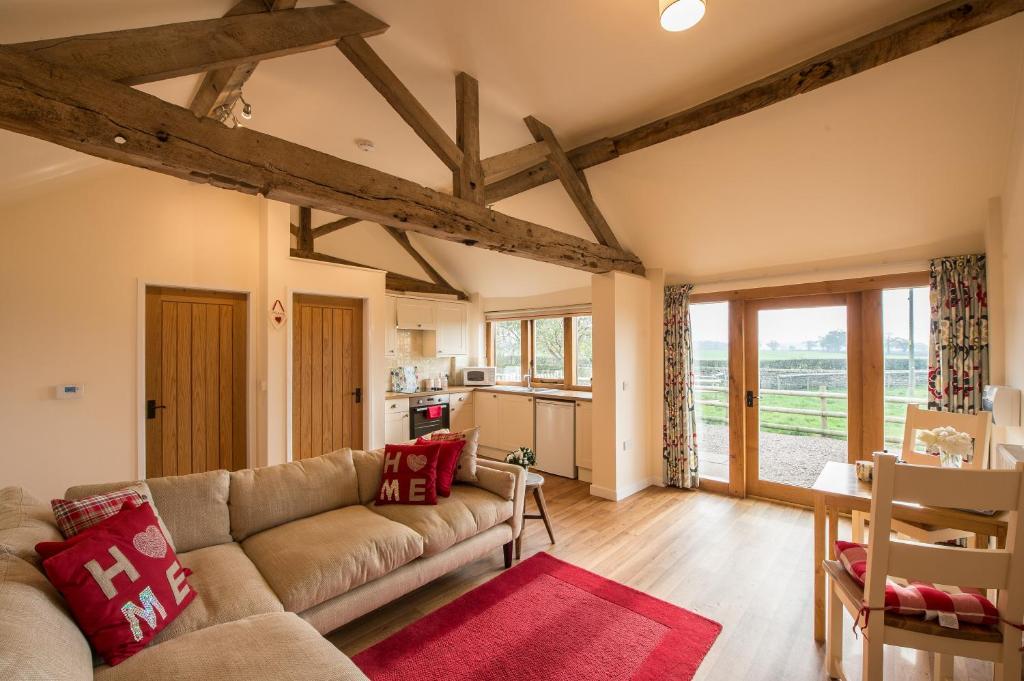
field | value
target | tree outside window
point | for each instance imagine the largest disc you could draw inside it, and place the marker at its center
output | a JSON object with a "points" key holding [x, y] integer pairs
{"points": [[583, 327], [549, 349], [508, 350]]}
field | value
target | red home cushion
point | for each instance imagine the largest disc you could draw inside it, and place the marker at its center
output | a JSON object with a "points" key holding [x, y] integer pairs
{"points": [[447, 462], [121, 580], [410, 475], [920, 599]]}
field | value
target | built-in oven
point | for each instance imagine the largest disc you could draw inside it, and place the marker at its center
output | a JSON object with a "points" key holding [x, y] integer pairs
{"points": [[427, 414]]}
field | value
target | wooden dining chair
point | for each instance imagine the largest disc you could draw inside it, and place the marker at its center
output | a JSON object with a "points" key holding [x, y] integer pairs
{"points": [[978, 426], [1000, 569]]}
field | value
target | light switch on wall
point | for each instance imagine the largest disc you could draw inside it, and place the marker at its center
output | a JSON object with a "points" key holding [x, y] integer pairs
{"points": [[625, 386]]}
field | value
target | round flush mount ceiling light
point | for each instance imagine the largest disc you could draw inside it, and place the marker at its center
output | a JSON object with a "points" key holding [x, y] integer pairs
{"points": [[679, 15]]}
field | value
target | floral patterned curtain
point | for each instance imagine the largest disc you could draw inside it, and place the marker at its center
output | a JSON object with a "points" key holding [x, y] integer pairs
{"points": [[680, 441], [958, 346]]}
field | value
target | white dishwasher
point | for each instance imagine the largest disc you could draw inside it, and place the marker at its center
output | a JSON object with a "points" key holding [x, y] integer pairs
{"points": [[556, 438]]}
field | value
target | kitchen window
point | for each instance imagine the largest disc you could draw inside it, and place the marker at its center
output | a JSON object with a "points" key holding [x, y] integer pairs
{"points": [[506, 351], [555, 350]]}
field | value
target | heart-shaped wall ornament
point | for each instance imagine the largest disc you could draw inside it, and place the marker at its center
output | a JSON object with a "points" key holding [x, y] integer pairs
{"points": [[277, 315], [150, 542], [416, 462]]}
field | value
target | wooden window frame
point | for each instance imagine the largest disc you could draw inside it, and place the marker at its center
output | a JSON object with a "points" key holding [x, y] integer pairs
{"points": [[528, 355], [863, 298]]}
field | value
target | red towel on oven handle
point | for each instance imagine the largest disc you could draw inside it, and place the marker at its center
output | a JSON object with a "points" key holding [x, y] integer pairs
{"points": [[434, 412]]}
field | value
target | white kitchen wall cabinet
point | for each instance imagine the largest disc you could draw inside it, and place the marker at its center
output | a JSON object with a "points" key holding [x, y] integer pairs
{"points": [[390, 326], [462, 411], [515, 422], [485, 408], [584, 435], [414, 314], [451, 339]]}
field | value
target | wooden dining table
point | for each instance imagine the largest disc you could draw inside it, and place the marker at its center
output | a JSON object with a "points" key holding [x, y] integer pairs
{"points": [[837, 490]]}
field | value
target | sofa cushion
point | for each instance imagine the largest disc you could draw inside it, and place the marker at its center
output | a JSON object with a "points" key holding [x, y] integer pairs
{"points": [[228, 587], [121, 580], [262, 498], [194, 508], [38, 638], [369, 470], [82, 492], [271, 647], [24, 522], [313, 559], [467, 512]]}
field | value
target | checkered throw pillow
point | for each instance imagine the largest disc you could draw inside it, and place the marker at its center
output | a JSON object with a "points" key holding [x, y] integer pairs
{"points": [[75, 516], [921, 599]]}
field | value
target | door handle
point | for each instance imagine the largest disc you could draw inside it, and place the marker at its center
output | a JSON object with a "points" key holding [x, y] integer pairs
{"points": [[358, 392], [750, 398], [151, 407]]}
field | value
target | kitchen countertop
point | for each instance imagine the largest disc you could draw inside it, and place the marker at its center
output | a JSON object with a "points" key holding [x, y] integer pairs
{"points": [[425, 393], [542, 393]]}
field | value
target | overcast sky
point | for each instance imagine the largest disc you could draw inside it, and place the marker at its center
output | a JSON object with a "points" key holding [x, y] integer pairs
{"points": [[795, 326]]}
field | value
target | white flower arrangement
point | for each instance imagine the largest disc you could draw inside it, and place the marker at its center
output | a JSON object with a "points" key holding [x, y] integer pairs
{"points": [[950, 444], [523, 456]]}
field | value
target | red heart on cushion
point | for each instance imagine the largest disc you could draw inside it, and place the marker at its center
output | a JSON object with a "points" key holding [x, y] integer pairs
{"points": [[150, 542], [416, 462]]}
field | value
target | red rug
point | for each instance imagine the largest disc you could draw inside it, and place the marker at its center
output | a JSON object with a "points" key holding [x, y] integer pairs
{"points": [[546, 619]]}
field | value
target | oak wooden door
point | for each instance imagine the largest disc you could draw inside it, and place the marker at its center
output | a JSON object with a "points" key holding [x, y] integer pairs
{"points": [[196, 372], [327, 375]]}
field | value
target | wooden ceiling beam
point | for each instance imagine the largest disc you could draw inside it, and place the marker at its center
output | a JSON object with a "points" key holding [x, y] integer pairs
{"points": [[403, 240], [468, 180], [513, 161], [73, 108], [921, 31], [393, 281], [221, 88], [334, 226], [384, 80], [304, 239], [574, 182], [143, 55]]}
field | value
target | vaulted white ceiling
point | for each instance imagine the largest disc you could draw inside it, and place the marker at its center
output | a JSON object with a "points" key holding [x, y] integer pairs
{"points": [[894, 164]]}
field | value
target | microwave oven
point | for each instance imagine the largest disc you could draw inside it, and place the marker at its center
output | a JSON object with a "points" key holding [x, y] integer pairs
{"points": [[478, 376]]}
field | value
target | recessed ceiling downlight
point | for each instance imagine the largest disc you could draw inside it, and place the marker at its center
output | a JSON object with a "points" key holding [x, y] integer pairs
{"points": [[679, 15]]}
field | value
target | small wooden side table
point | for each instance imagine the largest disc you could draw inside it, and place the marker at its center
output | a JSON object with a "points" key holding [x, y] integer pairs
{"points": [[535, 483]]}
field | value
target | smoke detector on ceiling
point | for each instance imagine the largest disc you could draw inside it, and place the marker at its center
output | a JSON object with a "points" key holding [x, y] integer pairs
{"points": [[365, 145]]}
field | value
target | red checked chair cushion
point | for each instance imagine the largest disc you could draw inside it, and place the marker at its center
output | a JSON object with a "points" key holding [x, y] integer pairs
{"points": [[410, 475], [121, 579], [920, 599], [447, 462], [75, 516]]}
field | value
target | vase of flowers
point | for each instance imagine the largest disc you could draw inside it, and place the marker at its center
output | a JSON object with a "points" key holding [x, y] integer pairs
{"points": [[523, 456], [951, 446]]}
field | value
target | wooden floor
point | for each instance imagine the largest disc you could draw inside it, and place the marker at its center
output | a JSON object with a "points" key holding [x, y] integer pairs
{"points": [[744, 563]]}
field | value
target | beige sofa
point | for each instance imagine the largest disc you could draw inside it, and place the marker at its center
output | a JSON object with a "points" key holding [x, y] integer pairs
{"points": [[279, 556]]}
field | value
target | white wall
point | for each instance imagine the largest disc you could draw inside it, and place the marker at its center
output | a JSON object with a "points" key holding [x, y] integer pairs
{"points": [[1013, 257], [626, 383], [565, 298], [74, 262], [70, 273]]}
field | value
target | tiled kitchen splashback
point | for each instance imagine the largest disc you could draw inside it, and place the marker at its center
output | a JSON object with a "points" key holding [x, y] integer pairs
{"points": [[410, 353]]}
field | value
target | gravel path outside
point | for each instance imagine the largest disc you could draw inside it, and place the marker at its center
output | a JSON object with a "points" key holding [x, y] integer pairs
{"points": [[788, 459]]}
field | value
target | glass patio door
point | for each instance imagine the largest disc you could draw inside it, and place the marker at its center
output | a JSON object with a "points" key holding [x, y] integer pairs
{"points": [[797, 368]]}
